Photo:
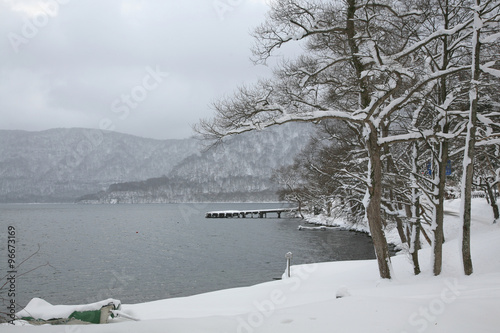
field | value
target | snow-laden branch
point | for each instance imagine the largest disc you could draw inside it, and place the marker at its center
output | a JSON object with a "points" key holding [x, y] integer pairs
{"points": [[487, 69], [490, 39], [437, 34], [391, 8], [406, 137], [286, 118], [492, 140], [399, 102]]}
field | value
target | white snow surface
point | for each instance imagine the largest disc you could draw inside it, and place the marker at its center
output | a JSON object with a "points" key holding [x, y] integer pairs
{"points": [[307, 301]]}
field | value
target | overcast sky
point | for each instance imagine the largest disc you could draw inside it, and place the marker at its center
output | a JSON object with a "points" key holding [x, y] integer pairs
{"points": [[145, 67]]}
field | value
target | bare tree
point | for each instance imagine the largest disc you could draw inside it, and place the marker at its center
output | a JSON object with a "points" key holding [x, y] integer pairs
{"points": [[292, 179], [366, 63], [484, 14]]}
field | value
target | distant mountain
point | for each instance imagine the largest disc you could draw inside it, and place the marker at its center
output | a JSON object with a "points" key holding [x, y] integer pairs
{"points": [[62, 165]]}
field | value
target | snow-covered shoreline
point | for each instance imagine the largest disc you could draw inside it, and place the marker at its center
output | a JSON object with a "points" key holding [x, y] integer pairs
{"points": [[340, 296], [322, 221], [451, 230]]}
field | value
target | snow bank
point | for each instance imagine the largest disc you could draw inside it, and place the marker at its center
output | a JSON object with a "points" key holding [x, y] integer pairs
{"points": [[336, 222], [322, 227], [340, 297]]}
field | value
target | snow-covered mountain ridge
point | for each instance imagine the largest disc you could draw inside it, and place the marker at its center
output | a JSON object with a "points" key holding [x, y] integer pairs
{"points": [[61, 165]]}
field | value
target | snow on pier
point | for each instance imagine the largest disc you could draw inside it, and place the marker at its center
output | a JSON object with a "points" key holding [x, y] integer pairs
{"points": [[261, 213]]}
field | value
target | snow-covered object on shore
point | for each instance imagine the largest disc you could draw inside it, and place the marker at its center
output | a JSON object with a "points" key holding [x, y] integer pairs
{"points": [[40, 309]]}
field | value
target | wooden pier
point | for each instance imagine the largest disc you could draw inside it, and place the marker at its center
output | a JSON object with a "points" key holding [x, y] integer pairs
{"points": [[260, 213]]}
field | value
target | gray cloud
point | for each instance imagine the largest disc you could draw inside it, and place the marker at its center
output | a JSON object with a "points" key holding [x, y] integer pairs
{"points": [[72, 63]]}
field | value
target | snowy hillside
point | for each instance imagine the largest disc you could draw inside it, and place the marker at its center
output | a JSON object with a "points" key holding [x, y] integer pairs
{"points": [[240, 170], [337, 297], [64, 164]]}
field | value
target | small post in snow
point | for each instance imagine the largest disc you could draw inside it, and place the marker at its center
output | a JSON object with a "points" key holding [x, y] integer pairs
{"points": [[288, 257]]}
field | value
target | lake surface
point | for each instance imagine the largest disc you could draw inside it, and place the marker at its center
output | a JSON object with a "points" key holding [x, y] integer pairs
{"points": [[138, 253]]}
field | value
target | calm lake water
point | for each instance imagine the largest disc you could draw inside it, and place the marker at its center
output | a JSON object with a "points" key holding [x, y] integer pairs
{"points": [[138, 253]]}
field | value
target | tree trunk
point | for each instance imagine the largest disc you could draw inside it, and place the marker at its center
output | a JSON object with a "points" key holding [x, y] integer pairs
{"points": [[414, 241], [393, 204], [401, 231], [492, 201], [373, 199], [300, 210], [373, 204], [442, 158], [440, 176], [468, 171]]}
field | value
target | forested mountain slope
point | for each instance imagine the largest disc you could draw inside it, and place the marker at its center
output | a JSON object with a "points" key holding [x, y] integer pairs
{"points": [[61, 165]]}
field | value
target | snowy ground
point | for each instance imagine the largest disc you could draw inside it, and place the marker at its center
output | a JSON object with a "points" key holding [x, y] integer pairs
{"points": [[309, 301]]}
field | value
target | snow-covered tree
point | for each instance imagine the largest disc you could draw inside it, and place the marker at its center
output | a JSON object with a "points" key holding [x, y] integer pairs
{"points": [[485, 19], [366, 63]]}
